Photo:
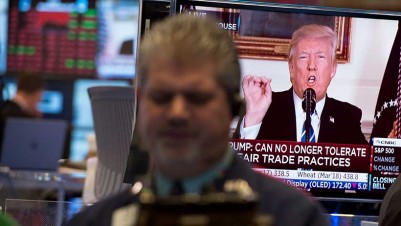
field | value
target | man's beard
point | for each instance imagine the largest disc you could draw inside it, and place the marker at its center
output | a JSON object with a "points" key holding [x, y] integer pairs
{"points": [[185, 162]]}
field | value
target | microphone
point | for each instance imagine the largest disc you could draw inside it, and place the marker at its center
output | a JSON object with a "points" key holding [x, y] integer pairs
{"points": [[309, 100], [308, 105]]}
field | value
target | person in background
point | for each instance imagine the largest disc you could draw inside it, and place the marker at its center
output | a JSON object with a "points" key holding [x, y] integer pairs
{"points": [[24, 103], [189, 81], [312, 64]]}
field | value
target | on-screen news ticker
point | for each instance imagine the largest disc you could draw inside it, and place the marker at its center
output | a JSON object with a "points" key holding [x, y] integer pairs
{"points": [[320, 166]]}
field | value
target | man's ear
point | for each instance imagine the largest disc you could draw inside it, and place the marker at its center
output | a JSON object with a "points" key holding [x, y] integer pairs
{"points": [[334, 69], [291, 69]]}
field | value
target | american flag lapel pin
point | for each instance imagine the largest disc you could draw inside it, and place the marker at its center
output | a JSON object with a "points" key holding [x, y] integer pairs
{"points": [[331, 119]]}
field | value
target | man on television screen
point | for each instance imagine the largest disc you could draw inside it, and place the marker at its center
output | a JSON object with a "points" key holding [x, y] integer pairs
{"points": [[281, 115], [188, 87]]}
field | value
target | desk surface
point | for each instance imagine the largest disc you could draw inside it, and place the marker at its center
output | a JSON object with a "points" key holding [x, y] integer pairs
{"points": [[67, 179]]}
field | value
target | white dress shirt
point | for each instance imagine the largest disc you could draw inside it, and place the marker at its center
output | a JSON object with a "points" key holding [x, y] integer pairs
{"points": [[251, 132]]}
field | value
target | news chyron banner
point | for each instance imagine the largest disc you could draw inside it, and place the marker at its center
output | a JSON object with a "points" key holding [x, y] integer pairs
{"points": [[385, 162], [315, 166]]}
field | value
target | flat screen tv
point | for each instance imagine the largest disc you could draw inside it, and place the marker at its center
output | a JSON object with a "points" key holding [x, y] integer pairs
{"points": [[117, 39], [3, 35], [368, 53], [53, 38], [71, 39], [82, 121]]}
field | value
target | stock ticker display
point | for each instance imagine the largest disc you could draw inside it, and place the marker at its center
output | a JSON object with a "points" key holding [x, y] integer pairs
{"points": [[319, 167], [55, 38]]}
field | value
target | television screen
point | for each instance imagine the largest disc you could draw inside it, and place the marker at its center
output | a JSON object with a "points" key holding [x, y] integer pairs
{"points": [[82, 122], [56, 98], [117, 38], [72, 38], [71, 44], [54, 38], [329, 168], [3, 35]]}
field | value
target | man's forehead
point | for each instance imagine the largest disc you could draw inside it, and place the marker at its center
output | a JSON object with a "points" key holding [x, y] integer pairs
{"points": [[314, 50], [188, 83], [314, 42], [179, 64], [160, 76], [315, 45], [181, 69]]}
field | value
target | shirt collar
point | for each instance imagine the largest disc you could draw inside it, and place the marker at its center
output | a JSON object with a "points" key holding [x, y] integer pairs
{"points": [[298, 105]]}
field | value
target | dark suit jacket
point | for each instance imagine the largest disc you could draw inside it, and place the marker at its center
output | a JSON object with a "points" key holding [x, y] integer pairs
{"points": [[339, 123], [285, 204]]}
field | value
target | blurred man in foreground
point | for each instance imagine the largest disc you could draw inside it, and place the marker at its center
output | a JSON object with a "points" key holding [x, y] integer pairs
{"points": [[188, 89]]}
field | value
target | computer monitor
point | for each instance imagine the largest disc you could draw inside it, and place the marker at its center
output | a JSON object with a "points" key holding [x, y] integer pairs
{"points": [[54, 38], [117, 39], [3, 35], [56, 97], [262, 32], [82, 121], [73, 39], [69, 43]]}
